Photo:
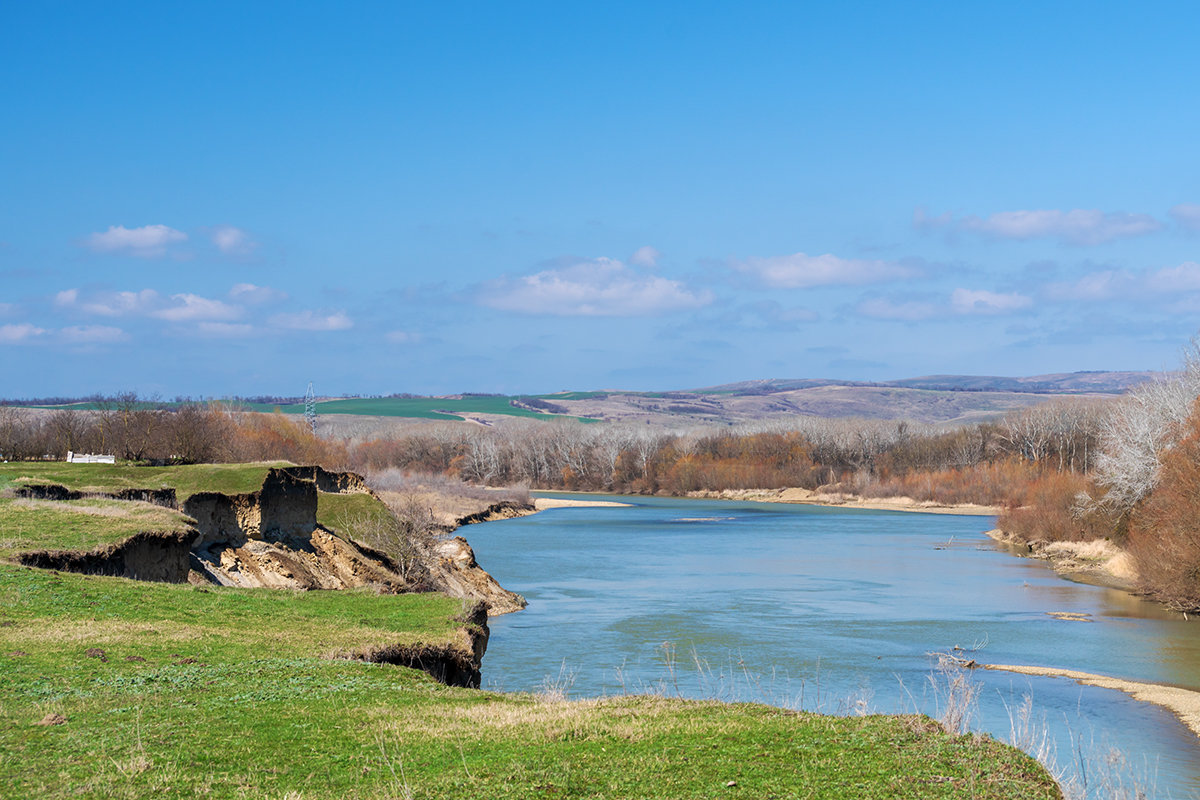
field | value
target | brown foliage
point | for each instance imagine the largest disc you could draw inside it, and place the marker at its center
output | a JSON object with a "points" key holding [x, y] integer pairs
{"points": [[1164, 531], [1055, 507]]}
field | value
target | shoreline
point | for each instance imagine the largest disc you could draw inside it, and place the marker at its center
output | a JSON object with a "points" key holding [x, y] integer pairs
{"points": [[1098, 562], [811, 497], [1183, 703]]}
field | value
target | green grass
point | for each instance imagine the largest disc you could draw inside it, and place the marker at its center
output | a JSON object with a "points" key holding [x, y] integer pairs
{"points": [[186, 480], [172, 690], [80, 525], [234, 698]]}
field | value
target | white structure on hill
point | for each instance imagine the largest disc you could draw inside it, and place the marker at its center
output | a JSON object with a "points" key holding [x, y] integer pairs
{"points": [[88, 458]]}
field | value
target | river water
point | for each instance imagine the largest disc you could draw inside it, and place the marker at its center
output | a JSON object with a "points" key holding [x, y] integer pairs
{"points": [[837, 610]]}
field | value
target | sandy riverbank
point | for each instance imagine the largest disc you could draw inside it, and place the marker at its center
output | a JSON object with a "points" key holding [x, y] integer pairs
{"points": [[1184, 703], [814, 498], [1097, 562], [543, 503]]}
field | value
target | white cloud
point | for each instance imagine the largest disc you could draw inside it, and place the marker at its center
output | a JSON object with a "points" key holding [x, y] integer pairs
{"points": [[1077, 226], [92, 334], [67, 297], [645, 257], [910, 310], [191, 307], [1113, 284], [312, 321], [801, 271], [981, 301], [14, 334], [1183, 278], [149, 241], [403, 337], [110, 304], [1186, 215], [229, 330], [255, 295], [601, 287], [232, 241]]}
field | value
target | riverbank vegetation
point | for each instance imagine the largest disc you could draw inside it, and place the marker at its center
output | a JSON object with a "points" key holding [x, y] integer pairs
{"points": [[131, 689], [1070, 470]]}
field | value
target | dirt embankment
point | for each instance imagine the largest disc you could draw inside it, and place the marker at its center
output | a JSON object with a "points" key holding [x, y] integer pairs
{"points": [[159, 556], [454, 664]]}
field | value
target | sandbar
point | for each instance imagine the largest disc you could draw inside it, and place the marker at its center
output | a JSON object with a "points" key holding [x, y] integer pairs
{"points": [[1183, 703]]}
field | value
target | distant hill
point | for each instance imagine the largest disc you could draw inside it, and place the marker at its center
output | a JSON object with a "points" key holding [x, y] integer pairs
{"points": [[948, 399]]}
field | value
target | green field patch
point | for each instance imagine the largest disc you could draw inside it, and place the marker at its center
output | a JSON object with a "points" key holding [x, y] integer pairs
{"points": [[79, 525], [185, 479]]}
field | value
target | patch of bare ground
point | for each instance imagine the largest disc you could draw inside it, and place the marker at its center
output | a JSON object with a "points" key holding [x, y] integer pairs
{"points": [[1184, 703]]}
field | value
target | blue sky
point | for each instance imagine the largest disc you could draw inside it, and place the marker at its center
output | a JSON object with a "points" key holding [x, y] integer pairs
{"points": [[238, 198]]}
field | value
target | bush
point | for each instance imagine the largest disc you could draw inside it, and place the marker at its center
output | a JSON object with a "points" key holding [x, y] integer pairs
{"points": [[1164, 531]]}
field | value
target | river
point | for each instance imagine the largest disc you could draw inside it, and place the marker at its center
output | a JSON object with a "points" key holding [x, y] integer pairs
{"points": [[836, 610]]}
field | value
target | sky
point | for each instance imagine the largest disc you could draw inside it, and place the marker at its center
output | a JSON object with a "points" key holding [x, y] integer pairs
{"points": [[234, 199]]}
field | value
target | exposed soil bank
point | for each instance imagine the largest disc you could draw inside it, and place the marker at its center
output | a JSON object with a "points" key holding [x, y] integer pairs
{"points": [[454, 664], [1184, 703], [1098, 562], [818, 498], [158, 556]]}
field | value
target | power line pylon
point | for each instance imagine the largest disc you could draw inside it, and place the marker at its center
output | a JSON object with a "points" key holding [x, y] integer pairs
{"points": [[310, 408]]}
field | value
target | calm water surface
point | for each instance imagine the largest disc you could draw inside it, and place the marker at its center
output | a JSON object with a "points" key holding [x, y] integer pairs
{"points": [[834, 610]]}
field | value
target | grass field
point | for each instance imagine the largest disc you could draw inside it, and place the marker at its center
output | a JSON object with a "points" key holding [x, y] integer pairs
{"points": [[178, 691], [122, 689], [410, 407], [185, 479]]}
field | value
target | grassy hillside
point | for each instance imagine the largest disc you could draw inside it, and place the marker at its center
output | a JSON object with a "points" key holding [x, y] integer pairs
{"points": [[154, 690], [116, 688]]}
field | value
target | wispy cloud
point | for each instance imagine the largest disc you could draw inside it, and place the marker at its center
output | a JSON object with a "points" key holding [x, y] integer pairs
{"points": [[600, 287], [232, 241], [961, 302], [1076, 226], [255, 295], [312, 321], [225, 330], [645, 257], [403, 337], [802, 271], [109, 304], [192, 307], [981, 301], [92, 334], [148, 241], [147, 302], [1113, 284], [20, 332], [1186, 215], [907, 310]]}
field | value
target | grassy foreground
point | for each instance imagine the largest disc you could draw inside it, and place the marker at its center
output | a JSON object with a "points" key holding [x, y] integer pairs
{"points": [[117, 688]]}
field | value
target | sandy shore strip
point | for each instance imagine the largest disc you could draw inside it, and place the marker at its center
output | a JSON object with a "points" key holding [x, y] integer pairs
{"points": [[1184, 703], [543, 503], [813, 498], [1098, 561]]}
